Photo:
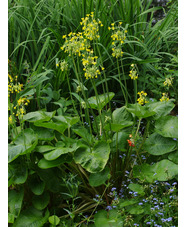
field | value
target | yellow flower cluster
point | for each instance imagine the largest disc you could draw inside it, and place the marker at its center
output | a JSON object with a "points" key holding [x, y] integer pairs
{"points": [[90, 64], [168, 81], [13, 85], [20, 107], [164, 97], [90, 26], [118, 36], [79, 44], [133, 73], [75, 44], [10, 119], [142, 99], [63, 65]]}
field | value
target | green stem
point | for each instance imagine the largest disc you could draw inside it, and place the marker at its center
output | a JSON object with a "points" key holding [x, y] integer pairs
{"points": [[99, 110], [121, 83], [106, 84], [83, 92], [125, 82], [98, 202], [135, 91]]}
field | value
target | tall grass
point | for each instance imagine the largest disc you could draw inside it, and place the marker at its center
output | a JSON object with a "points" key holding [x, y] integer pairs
{"points": [[36, 29]]}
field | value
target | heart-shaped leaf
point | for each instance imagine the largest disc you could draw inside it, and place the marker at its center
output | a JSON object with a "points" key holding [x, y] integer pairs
{"points": [[93, 159], [122, 140], [54, 220], [23, 144], [161, 108], [167, 126], [159, 145], [173, 157], [121, 116], [44, 134], [137, 188], [31, 217], [97, 179], [102, 218], [41, 201], [54, 154], [140, 111], [38, 116], [117, 127], [83, 132], [161, 171], [66, 119], [135, 210], [100, 101], [36, 185], [15, 199], [58, 126], [44, 148], [45, 164]]}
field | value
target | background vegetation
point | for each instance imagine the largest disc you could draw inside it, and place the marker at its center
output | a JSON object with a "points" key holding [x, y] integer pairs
{"points": [[100, 150]]}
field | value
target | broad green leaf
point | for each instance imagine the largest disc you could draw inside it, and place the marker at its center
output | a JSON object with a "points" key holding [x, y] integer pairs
{"points": [[11, 218], [18, 171], [31, 217], [45, 134], [159, 145], [137, 188], [117, 127], [58, 126], [122, 117], [161, 108], [66, 119], [161, 171], [165, 169], [54, 220], [167, 126], [23, 144], [52, 181], [144, 172], [128, 202], [20, 174], [63, 103], [122, 140], [173, 157], [100, 219], [100, 101], [135, 209], [36, 185], [45, 164], [54, 154], [97, 179], [44, 148], [93, 159], [41, 201], [38, 116], [83, 132], [140, 111], [15, 199]]}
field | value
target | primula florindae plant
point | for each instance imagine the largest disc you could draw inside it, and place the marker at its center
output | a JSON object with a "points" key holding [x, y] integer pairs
{"points": [[93, 124]]}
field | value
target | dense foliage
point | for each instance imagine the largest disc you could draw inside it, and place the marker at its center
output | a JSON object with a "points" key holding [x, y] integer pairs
{"points": [[93, 122]]}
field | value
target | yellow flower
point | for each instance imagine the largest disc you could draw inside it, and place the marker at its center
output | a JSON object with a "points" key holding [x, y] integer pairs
{"points": [[10, 119], [142, 99], [168, 81], [164, 97]]}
